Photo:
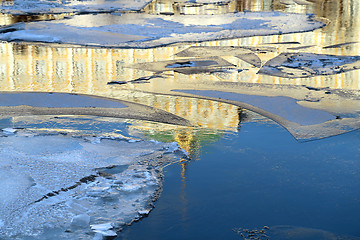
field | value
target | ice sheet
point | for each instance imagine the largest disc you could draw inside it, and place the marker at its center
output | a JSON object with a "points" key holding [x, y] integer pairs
{"points": [[303, 123], [59, 187], [145, 31], [59, 6], [284, 107], [303, 65]]}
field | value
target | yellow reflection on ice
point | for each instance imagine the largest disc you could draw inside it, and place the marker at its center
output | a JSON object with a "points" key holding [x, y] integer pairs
{"points": [[88, 70]]}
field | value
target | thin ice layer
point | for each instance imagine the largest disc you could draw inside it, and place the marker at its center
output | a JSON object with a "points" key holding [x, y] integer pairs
{"points": [[145, 31], [302, 122], [56, 100], [284, 107], [69, 186], [37, 103], [186, 64]]}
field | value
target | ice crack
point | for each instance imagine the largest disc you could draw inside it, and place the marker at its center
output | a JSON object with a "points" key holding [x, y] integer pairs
{"points": [[86, 179]]}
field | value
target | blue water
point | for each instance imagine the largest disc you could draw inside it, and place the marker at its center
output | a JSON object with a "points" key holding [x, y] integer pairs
{"points": [[256, 177]]}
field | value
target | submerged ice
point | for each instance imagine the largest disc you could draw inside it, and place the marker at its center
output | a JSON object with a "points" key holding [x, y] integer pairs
{"points": [[61, 187]]}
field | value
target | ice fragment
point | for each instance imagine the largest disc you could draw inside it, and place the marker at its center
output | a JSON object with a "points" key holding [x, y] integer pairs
{"points": [[9, 130], [81, 221]]}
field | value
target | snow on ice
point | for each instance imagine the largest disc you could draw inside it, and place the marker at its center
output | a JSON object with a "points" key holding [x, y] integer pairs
{"points": [[145, 31], [301, 65], [63, 187]]}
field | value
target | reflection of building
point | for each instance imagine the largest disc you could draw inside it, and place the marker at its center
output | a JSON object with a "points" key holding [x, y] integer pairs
{"points": [[201, 112], [87, 70], [29, 68]]}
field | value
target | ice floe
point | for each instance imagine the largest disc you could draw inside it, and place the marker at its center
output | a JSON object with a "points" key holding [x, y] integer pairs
{"points": [[55, 100], [302, 122], [145, 31], [37, 103], [61, 187], [185, 66], [301, 65], [63, 6], [247, 54], [284, 107]]}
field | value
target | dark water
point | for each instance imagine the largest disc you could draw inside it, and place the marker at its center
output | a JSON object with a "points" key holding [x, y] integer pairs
{"points": [[260, 177]]}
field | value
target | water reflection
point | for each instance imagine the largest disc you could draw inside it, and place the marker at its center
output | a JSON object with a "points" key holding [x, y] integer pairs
{"points": [[167, 7], [88, 70]]}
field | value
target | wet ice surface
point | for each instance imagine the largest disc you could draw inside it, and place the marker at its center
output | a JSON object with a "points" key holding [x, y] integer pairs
{"points": [[287, 65], [55, 100], [302, 122], [145, 31], [71, 188], [247, 54], [185, 65], [284, 107], [31, 103]]}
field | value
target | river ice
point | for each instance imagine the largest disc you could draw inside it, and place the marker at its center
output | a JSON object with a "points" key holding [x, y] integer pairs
{"points": [[63, 187], [145, 30], [63, 6], [303, 65]]}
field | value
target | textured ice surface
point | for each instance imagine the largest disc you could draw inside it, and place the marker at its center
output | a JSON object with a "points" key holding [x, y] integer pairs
{"points": [[301, 65], [59, 187], [59, 6], [144, 31]]}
